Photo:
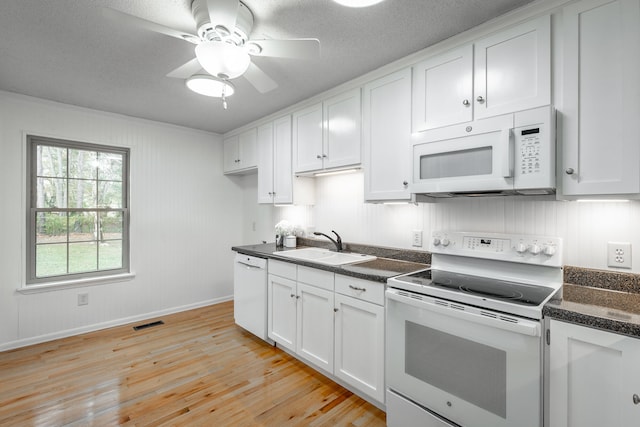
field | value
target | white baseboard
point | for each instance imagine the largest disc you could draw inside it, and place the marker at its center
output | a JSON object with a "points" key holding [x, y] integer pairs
{"points": [[110, 324]]}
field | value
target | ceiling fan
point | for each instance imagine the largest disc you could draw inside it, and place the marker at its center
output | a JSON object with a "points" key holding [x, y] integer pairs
{"points": [[223, 47]]}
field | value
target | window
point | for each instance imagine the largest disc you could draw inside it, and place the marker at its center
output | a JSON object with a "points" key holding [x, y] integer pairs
{"points": [[78, 210]]}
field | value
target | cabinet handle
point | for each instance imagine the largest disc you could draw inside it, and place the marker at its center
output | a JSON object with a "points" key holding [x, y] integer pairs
{"points": [[297, 296], [569, 171], [636, 399], [405, 183], [318, 156], [355, 288], [293, 295], [324, 155], [480, 99], [335, 310], [466, 103]]}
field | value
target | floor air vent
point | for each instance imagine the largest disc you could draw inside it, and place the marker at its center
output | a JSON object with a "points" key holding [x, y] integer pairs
{"points": [[148, 325]]}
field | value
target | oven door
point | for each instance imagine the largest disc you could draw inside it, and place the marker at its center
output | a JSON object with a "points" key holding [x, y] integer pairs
{"points": [[472, 366], [465, 159]]}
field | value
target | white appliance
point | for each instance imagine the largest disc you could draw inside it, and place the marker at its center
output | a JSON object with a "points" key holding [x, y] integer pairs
{"points": [[503, 155], [464, 340], [250, 294]]}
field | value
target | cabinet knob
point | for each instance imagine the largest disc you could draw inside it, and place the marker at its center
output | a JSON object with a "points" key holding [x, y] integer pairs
{"points": [[324, 155], [480, 99], [293, 295], [318, 156], [335, 310], [466, 103], [636, 399], [569, 171], [405, 183]]}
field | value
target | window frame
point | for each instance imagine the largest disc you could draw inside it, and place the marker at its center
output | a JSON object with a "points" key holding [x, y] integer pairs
{"points": [[33, 141]]}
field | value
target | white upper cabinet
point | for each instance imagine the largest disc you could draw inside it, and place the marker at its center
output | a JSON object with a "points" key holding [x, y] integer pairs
{"points": [[600, 140], [241, 152], [387, 137], [593, 377], [327, 135], [443, 89], [503, 73], [512, 69], [276, 182]]}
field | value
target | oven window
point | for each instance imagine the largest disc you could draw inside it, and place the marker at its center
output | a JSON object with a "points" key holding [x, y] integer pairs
{"points": [[474, 372], [475, 161]]}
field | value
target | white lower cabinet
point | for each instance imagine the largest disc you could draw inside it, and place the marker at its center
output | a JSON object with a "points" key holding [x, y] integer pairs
{"points": [[594, 377], [359, 347], [339, 330]]}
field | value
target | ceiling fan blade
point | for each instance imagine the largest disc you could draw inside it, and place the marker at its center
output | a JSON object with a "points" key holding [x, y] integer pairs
{"points": [[223, 12], [134, 21], [186, 70], [259, 79], [294, 48]]}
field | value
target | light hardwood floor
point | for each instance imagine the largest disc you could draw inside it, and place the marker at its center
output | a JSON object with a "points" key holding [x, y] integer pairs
{"points": [[198, 369]]}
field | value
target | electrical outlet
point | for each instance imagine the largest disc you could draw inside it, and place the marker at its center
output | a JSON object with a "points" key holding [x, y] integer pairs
{"points": [[83, 299], [619, 254], [417, 238]]}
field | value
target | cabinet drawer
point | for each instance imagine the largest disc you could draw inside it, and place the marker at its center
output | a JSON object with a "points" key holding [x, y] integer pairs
{"points": [[362, 289], [313, 276], [282, 269]]}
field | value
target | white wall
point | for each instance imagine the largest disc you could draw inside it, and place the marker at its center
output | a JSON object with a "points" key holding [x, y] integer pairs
{"points": [[185, 216], [585, 227]]}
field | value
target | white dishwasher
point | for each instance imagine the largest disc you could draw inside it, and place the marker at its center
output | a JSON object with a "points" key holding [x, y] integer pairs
{"points": [[250, 294]]}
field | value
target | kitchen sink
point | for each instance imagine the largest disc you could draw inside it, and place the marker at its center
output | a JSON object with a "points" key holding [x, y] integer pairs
{"points": [[325, 256]]}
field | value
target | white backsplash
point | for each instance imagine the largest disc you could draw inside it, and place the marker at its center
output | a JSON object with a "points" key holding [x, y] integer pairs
{"points": [[585, 227]]}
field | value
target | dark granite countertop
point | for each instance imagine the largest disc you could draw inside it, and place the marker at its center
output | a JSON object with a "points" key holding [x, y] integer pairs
{"points": [[378, 270], [599, 299]]}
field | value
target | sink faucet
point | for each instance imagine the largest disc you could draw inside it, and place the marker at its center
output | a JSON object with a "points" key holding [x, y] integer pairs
{"points": [[338, 242]]}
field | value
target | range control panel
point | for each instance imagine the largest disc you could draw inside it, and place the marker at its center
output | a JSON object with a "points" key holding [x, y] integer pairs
{"points": [[529, 249]]}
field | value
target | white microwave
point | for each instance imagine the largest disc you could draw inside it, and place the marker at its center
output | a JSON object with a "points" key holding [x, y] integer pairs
{"points": [[504, 155]]}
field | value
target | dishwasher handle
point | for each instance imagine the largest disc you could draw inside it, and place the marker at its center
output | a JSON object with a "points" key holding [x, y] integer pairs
{"points": [[249, 265]]}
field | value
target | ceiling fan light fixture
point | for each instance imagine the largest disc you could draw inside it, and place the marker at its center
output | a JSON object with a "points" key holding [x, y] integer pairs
{"points": [[358, 3], [206, 85], [221, 58]]}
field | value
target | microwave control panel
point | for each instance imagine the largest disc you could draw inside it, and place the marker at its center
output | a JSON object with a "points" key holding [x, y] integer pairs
{"points": [[534, 146]]}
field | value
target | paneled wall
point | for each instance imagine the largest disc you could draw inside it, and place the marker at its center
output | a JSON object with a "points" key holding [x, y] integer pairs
{"points": [[185, 216], [585, 227]]}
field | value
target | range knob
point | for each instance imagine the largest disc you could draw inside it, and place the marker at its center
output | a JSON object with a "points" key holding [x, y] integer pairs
{"points": [[436, 241], [549, 250], [445, 242], [534, 249], [521, 248]]}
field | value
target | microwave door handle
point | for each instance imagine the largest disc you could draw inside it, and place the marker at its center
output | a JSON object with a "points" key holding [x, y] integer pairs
{"points": [[508, 158]]}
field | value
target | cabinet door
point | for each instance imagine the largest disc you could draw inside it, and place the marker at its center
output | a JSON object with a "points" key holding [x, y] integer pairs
{"points": [[307, 139], [387, 137], [265, 163], [230, 155], [281, 320], [283, 169], [342, 129], [248, 149], [594, 377], [512, 70], [443, 90], [359, 347], [315, 326], [601, 146]]}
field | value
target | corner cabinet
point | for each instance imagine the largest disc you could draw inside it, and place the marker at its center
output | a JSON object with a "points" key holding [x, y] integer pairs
{"points": [[327, 135], [276, 182], [241, 153], [387, 138], [594, 377], [503, 73], [601, 144]]}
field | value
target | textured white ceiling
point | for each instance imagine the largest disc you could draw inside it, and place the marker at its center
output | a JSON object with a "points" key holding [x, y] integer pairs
{"points": [[67, 51]]}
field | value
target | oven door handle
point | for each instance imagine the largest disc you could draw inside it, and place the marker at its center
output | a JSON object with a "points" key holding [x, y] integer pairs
{"points": [[483, 317]]}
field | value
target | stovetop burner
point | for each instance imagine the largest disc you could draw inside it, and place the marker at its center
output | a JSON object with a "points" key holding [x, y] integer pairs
{"points": [[486, 288]]}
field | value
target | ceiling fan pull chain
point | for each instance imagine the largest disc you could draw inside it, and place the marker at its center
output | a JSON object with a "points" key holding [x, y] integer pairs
{"points": [[224, 98]]}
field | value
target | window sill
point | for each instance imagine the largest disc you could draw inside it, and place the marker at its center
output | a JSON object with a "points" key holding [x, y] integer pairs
{"points": [[76, 283]]}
